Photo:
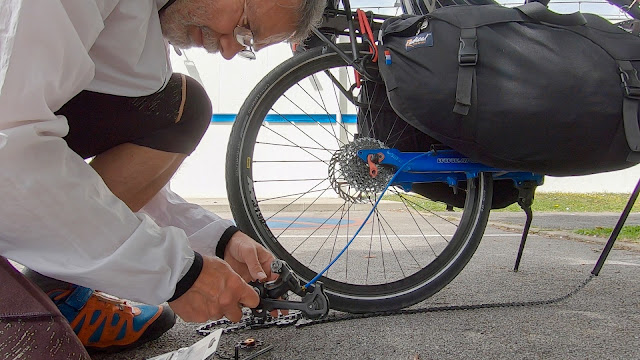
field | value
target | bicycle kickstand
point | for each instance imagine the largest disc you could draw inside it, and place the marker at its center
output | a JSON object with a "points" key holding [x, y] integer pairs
{"points": [[525, 199]]}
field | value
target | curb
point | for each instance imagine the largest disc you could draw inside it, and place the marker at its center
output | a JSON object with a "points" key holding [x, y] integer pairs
{"points": [[567, 235]]}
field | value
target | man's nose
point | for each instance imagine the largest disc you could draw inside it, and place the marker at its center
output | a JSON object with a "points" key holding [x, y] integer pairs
{"points": [[229, 47]]}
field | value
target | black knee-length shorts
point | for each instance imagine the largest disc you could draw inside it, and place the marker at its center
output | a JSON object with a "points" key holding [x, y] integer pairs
{"points": [[173, 119]]}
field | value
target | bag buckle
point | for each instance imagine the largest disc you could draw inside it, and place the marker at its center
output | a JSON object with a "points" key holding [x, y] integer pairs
{"points": [[468, 53], [630, 82]]}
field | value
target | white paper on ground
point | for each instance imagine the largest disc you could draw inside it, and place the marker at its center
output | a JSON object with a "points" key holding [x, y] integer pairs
{"points": [[201, 350]]}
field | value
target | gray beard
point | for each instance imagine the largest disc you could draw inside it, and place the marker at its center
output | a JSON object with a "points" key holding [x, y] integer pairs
{"points": [[175, 20]]}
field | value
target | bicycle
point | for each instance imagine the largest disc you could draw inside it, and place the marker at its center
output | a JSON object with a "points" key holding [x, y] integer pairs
{"points": [[307, 114]]}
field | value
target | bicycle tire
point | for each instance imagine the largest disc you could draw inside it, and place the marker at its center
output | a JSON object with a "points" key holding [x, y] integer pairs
{"points": [[267, 217]]}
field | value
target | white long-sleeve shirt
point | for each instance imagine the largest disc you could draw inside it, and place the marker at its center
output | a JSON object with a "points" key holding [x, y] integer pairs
{"points": [[56, 214]]}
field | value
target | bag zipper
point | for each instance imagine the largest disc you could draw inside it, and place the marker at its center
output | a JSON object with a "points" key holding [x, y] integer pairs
{"points": [[423, 26]]}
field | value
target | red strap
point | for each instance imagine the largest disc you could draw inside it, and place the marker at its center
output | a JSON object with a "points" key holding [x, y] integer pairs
{"points": [[365, 30]]}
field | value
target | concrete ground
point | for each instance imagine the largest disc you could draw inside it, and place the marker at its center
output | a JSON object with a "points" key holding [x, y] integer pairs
{"points": [[601, 321]]}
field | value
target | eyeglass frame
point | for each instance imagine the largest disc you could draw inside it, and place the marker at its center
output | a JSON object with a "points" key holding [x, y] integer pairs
{"points": [[244, 36]]}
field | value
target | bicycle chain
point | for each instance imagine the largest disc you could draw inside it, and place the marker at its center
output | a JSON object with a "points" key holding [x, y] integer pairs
{"points": [[249, 322], [299, 321]]}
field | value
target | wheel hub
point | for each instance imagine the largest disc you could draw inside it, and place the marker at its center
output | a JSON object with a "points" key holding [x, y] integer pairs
{"points": [[349, 175]]}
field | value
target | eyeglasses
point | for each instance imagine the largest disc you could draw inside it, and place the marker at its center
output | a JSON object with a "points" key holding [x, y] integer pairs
{"points": [[244, 36]]}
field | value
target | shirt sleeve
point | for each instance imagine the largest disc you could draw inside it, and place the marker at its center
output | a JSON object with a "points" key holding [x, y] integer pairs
{"points": [[203, 228], [57, 216]]}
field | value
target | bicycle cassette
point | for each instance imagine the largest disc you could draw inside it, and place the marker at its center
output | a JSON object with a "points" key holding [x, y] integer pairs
{"points": [[351, 177]]}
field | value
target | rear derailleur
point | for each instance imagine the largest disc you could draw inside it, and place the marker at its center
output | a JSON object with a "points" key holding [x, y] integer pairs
{"points": [[274, 295]]}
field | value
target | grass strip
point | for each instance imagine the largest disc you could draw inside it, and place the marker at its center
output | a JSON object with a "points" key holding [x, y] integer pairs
{"points": [[551, 202], [572, 202], [631, 232]]}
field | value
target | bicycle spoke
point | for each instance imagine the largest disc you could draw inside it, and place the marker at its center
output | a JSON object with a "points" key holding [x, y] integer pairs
{"points": [[323, 105], [413, 203], [384, 267], [369, 258], [399, 240], [325, 221], [335, 241], [386, 236], [284, 137], [330, 117], [285, 161], [302, 148], [301, 193], [335, 228], [346, 268], [286, 180], [290, 145], [292, 222], [322, 191], [428, 222], [286, 196], [343, 91]]}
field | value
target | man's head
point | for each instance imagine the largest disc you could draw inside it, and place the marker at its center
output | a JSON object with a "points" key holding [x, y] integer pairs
{"points": [[211, 23]]}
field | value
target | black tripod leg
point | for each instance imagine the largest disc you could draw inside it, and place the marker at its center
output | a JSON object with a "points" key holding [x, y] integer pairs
{"points": [[616, 230]]}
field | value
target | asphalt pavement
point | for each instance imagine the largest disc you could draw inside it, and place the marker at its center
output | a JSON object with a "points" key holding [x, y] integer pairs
{"points": [[599, 321]]}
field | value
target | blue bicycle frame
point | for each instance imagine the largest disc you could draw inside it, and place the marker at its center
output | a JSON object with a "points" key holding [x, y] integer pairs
{"points": [[439, 166], [434, 166]]}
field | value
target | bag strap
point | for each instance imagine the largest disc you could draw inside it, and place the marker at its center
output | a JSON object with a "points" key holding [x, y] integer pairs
{"points": [[539, 12], [468, 52], [630, 106], [467, 60]]}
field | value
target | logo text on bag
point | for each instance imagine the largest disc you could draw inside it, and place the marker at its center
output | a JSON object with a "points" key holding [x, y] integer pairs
{"points": [[454, 160], [420, 40]]}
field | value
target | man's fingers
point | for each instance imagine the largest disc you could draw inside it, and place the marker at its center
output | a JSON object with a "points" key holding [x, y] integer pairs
{"points": [[254, 266], [249, 297], [234, 314]]}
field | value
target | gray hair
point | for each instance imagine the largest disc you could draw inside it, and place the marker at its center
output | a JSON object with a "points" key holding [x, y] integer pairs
{"points": [[310, 15]]}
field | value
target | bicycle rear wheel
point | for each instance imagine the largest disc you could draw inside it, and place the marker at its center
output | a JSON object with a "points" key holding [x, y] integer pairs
{"points": [[293, 184]]}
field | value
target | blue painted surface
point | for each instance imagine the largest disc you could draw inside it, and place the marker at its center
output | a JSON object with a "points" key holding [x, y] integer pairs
{"points": [[284, 222], [295, 118]]}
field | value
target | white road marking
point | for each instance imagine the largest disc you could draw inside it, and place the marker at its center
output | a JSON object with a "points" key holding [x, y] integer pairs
{"points": [[404, 236]]}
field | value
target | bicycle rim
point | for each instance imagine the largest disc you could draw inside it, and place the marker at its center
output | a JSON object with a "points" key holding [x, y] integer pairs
{"points": [[287, 190]]}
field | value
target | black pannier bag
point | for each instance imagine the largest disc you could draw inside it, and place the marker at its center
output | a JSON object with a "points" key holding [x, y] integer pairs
{"points": [[379, 121], [518, 88]]}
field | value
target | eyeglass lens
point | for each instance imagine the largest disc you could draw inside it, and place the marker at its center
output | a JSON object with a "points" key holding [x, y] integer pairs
{"points": [[244, 37]]}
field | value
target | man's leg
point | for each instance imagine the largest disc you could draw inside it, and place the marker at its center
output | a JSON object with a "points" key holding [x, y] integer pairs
{"points": [[136, 173], [137, 144]]}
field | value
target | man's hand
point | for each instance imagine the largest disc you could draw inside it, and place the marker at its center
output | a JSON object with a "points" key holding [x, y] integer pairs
{"points": [[219, 291], [249, 259]]}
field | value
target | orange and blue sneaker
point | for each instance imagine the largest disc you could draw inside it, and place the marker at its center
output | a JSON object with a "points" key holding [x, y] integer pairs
{"points": [[108, 324]]}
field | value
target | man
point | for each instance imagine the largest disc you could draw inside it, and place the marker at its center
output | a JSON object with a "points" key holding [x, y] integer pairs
{"points": [[90, 79]]}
